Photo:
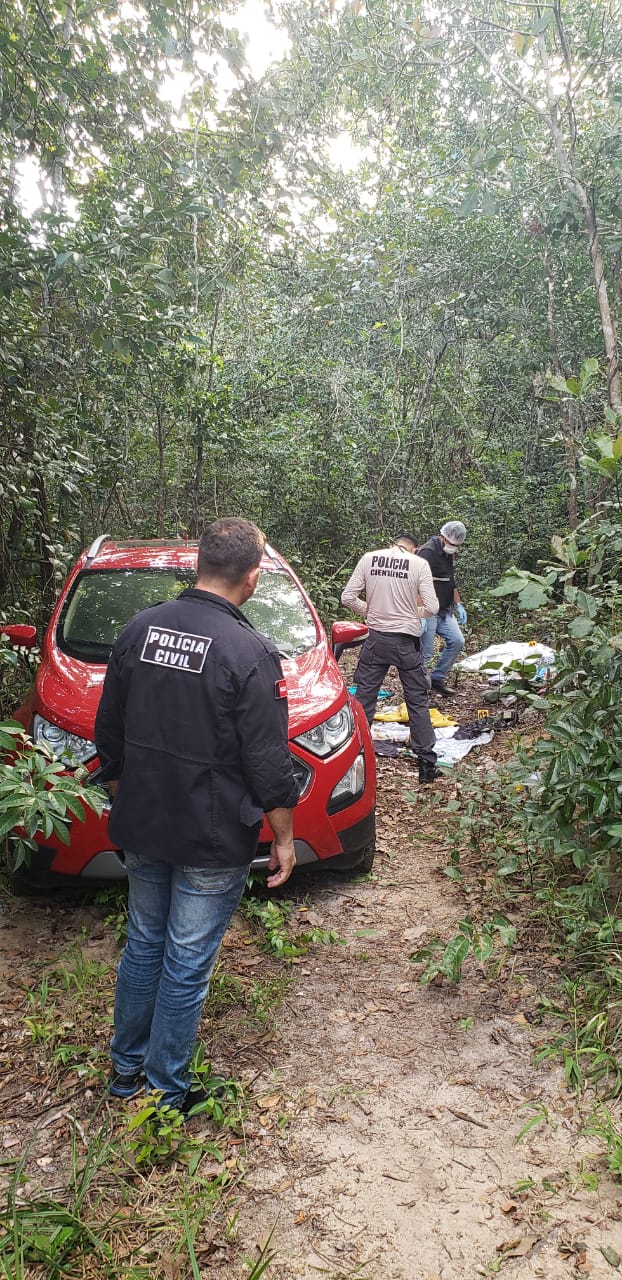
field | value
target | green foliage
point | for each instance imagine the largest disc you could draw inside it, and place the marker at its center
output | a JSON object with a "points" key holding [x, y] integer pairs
{"points": [[36, 795], [266, 1256], [532, 590], [539, 1115], [587, 1042], [486, 828], [602, 1125], [573, 810], [157, 1132], [274, 920], [446, 958], [115, 898], [80, 1227], [55, 1234], [18, 667], [223, 317], [554, 826]]}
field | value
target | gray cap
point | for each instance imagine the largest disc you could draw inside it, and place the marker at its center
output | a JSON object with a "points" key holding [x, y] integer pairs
{"points": [[454, 531]]}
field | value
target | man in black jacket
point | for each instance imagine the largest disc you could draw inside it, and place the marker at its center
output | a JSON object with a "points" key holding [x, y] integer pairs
{"points": [[192, 736], [440, 553]]}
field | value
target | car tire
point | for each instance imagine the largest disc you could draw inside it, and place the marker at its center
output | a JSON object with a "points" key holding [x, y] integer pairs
{"points": [[21, 885], [367, 857], [25, 884], [359, 863]]}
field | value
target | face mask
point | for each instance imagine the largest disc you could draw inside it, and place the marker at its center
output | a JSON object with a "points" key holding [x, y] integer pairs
{"points": [[450, 551]]}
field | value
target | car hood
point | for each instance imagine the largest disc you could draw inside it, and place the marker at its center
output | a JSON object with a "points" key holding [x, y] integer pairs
{"points": [[315, 687], [68, 691]]}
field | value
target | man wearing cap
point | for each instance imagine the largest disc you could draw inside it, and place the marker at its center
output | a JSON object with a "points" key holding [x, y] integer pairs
{"points": [[440, 552], [399, 593]]}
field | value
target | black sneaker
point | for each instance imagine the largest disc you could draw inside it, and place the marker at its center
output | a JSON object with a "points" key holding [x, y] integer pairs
{"points": [[428, 772], [121, 1086], [198, 1097]]}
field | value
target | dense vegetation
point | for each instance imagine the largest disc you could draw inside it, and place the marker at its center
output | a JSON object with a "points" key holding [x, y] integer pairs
{"points": [[373, 283], [376, 284]]}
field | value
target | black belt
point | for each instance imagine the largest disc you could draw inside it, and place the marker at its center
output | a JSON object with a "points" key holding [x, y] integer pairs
{"points": [[399, 635]]}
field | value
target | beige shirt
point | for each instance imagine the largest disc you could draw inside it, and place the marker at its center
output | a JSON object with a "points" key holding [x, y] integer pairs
{"points": [[392, 580]]}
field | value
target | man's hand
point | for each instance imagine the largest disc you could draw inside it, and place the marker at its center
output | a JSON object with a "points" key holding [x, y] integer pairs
{"points": [[282, 862], [111, 788], [282, 852], [461, 613]]}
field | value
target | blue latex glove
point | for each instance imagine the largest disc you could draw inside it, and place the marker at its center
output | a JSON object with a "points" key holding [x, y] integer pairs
{"points": [[424, 625], [461, 614]]}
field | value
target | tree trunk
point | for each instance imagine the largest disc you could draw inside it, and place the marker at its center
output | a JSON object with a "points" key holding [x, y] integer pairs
{"points": [[568, 407], [424, 396], [566, 168]]}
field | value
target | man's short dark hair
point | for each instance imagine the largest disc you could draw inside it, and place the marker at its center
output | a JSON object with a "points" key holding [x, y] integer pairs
{"points": [[229, 548], [407, 537]]}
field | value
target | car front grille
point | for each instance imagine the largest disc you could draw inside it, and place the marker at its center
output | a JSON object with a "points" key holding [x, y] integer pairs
{"points": [[302, 773]]}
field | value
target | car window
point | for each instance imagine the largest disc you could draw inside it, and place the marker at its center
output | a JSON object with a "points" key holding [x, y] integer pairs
{"points": [[102, 601], [279, 609]]}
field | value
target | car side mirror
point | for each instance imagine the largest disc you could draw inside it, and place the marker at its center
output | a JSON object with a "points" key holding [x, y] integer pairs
{"points": [[347, 635], [19, 634]]}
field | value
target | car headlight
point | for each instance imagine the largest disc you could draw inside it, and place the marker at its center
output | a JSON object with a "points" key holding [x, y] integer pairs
{"points": [[350, 787], [67, 747], [330, 734]]}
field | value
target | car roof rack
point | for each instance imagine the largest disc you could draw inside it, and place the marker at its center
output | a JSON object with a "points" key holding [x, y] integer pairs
{"points": [[95, 548], [269, 551]]}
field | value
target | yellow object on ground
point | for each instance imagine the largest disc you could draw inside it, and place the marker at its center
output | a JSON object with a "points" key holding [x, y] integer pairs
{"points": [[396, 714], [399, 715], [439, 720]]}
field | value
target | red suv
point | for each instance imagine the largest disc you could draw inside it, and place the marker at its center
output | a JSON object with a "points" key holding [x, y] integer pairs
{"points": [[330, 743]]}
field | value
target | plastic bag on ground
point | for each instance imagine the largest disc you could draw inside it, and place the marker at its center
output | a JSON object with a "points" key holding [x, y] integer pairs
{"points": [[511, 651]]}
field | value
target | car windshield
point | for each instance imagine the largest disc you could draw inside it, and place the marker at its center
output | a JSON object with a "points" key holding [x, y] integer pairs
{"points": [[102, 601]]}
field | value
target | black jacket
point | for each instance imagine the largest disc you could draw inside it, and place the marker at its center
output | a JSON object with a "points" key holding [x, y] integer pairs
{"points": [[193, 723], [443, 571]]}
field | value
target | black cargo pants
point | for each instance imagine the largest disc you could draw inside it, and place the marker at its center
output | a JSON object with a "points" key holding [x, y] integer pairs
{"points": [[384, 649]]}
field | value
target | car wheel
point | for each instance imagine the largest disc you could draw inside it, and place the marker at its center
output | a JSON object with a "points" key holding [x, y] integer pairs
{"points": [[357, 863], [367, 858], [21, 885], [26, 884]]}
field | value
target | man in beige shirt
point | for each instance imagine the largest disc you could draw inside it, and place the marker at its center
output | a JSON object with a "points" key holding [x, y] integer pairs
{"points": [[399, 592]]}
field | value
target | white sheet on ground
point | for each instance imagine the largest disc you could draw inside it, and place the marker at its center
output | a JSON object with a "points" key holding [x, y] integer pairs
{"points": [[448, 749], [390, 732], [510, 651]]}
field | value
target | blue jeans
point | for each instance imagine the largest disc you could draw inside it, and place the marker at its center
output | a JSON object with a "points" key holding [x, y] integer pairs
{"points": [[445, 626], [177, 920]]}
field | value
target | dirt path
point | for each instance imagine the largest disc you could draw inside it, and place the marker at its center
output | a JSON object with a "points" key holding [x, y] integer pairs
{"points": [[400, 1104], [381, 1138]]}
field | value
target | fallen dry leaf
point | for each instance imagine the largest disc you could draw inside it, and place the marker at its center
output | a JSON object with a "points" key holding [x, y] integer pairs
{"points": [[269, 1103], [517, 1248]]}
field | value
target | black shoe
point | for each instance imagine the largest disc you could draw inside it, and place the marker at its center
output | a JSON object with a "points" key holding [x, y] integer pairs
{"points": [[121, 1086], [439, 686], [428, 772], [198, 1097]]}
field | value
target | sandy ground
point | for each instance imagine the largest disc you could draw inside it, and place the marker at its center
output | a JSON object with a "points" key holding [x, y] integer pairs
{"points": [[382, 1134], [397, 1156]]}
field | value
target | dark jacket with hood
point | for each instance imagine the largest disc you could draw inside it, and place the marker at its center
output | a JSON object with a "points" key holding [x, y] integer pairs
{"points": [[443, 571], [193, 723]]}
